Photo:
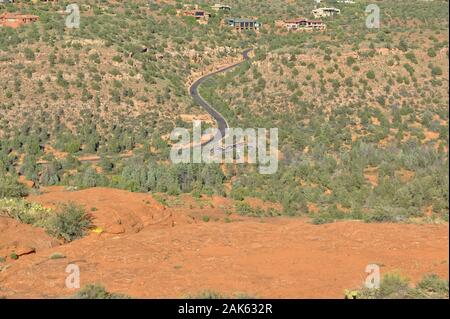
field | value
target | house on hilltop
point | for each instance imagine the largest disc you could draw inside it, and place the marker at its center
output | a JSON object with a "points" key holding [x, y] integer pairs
{"points": [[241, 24], [15, 20], [301, 25], [201, 16], [221, 7], [325, 12]]}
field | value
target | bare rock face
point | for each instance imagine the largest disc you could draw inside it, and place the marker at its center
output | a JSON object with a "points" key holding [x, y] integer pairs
{"points": [[115, 229], [22, 239]]}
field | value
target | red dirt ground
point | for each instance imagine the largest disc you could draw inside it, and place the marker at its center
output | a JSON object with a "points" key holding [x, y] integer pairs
{"points": [[183, 255]]}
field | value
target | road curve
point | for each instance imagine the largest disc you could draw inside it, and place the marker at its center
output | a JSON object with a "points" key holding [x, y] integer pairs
{"points": [[222, 123], [193, 90]]}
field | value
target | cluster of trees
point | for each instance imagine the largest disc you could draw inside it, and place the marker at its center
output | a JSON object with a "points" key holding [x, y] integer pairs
{"points": [[333, 127], [340, 189], [10, 187], [138, 175]]}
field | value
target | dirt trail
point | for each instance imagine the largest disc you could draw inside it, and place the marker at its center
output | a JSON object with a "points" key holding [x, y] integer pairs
{"points": [[281, 258]]}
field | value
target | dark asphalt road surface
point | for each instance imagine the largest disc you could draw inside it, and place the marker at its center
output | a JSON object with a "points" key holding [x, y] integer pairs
{"points": [[222, 123]]}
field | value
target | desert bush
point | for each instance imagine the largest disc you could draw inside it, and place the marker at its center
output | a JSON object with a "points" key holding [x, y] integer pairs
{"points": [[10, 187], [57, 256], [29, 54], [207, 294], [370, 75], [70, 222], [431, 52], [436, 70], [434, 286], [25, 212], [245, 209], [211, 294], [97, 291]]}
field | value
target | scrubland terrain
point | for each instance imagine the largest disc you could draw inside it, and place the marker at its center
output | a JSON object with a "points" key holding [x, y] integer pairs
{"points": [[189, 246], [85, 174]]}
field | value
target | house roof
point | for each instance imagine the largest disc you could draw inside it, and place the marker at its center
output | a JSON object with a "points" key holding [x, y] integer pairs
{"points": [[301, 20], [218, 5], [326, 9], [239, 20]]}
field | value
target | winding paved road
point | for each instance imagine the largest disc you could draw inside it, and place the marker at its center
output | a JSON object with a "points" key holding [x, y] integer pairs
{"points": [[222, 123]]}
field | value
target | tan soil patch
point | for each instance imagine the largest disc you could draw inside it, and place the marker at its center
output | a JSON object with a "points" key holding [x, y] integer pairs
{"points": [[404, 175], [371, 174], [312, 208], [430, 135]]}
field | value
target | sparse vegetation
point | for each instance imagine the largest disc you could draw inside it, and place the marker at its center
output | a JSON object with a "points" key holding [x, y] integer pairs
{"points": [[394, 286], [68, 222], [57, 256], [10, 187], [97, 291], [211, 294]]}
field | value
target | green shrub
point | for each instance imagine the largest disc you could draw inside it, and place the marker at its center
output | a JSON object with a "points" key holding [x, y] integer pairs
{"points": [[380, 216], [350, 60], [97, 291], [436, 71], [211, 294], [434, 286], [321, 219], [10, 187], [70, 222], [393, 286], [57, 256], [245, 209], [205, 219], [207, 294], [370, 75], [431, 53], [29, 54]]}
